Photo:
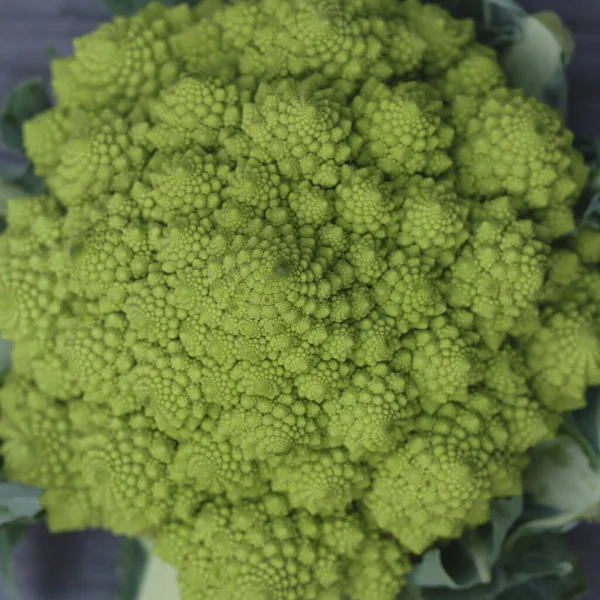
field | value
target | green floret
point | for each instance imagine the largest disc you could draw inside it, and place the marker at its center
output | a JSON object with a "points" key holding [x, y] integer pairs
{"points": [[477, 73], [184, 183], [213, 467], [294, 304], [446, 38], [408, 291], [194, 111], [109, 255], [166, 384], [499, 271], [563, 382], [433, 488], [443, 361], [511, 144], [364, 202], [587, 245], [121, 61], [402, 127], [320, 482], [94, 353], [307, 137], [372, 414], [257, 551], [312, 204], [35, 435], [432, 219], [122, 462], [101, 158], [31, 296]]}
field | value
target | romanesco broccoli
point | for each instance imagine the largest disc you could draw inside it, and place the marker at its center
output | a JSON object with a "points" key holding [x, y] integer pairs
{"points": [[292, 305]]}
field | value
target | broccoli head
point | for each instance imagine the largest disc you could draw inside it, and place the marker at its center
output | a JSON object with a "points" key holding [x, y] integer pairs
{"points": [[293, 304]]}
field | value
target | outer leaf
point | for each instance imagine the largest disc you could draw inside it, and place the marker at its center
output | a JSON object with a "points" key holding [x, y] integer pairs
{"points": [[160, 579], [497, 21], [23, 177], [538, 518], [587, 210], [542, 567], [505, 512], [410, 592], [501, 22], [538, 567], [7, 566], [131, 569], [534, 49], [8, 190], [18, 501], [25, 101], [588, 420], [564, 474], [469, 561], [431, 572], [561, 477], [536, 61], [590, 216]]}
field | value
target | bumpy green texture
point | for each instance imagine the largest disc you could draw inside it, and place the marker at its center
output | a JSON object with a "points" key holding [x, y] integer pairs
{"points": [[294, 304]]}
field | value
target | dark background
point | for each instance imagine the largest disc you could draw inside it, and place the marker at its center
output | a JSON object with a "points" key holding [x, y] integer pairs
{"points": [[81, 566]]}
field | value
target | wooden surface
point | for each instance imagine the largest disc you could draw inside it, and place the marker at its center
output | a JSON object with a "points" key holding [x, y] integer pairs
{"points": [[82, 566]]}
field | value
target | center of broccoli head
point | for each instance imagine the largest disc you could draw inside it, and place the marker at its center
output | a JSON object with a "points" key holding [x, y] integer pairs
{"points": [[293, 304]]}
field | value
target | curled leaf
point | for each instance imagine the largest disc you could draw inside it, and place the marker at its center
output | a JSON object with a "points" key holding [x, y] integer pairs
{"points": [[469, 561], [27, 100], [564, 473], [159, 578], [533, 49], [131, 569], [18, 501], [536, 61]]}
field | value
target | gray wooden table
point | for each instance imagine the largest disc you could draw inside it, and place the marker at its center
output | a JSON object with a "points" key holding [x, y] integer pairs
{"points": [[81, 566]]}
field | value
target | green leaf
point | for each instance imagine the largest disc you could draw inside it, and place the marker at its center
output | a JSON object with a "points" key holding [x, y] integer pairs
{"points": [[7, 565], [130, 7], [562, 477], [18, 501], [131, 569], [587, 209], [537, 567], [23, 177], [469, 561], [588, 420], [160, 578], [497, 21], [538, 518], [501, 22], [505, 513], [564, 474], [10, 534], [431, 572], [536, 61], [541, 567], [583, 426], [533, 49], [27, 100], [410, 592]]}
